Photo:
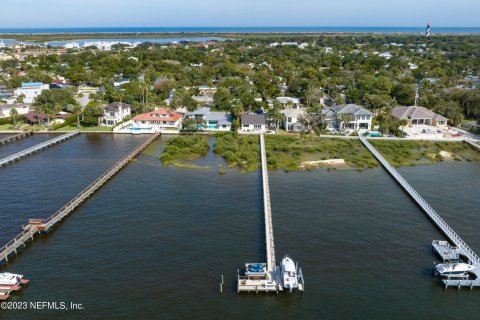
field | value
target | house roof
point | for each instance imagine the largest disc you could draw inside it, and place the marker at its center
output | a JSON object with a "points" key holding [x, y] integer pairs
{"points": [[293, 113], [158, 115], [285, 100], [200, 112], [414, 112], [115, 106], [352, 109], [32, 116], [253, 118], [221, 117]]}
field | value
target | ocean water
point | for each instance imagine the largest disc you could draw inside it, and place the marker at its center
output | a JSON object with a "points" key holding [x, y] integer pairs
{"points": [[253, 29], [155, 240]]}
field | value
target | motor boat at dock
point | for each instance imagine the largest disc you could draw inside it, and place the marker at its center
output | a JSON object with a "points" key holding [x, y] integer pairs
{"points": [[455, 269], [292, 277], [11, 279]]}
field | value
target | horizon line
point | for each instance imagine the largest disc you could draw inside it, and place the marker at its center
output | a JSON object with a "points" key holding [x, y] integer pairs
{"points": [[251, 26]]}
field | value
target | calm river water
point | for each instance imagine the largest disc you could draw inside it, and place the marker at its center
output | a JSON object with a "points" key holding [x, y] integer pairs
{"points": [[154, 241]]}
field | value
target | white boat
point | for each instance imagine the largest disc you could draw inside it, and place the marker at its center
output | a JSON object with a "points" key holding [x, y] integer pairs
{"points": [[453, 269], [289, 274], [10, 279]]}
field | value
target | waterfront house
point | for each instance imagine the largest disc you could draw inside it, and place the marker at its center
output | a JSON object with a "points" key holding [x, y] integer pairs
{"points": [[291, 119], [215, 121], [114, 113], [158, 119], [6, 109], [253, 123], [350, 117], [30, 90], [419, 116]]}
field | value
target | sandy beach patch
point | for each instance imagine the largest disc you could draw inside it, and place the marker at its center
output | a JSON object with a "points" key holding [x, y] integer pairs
{"points": [[323, 163]]}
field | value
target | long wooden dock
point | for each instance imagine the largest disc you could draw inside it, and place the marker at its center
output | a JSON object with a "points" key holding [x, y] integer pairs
{"points": [[461, 247], [36, 225], [265, 277], [268, 279], [267, 209], [15, 137], [38, 147]]}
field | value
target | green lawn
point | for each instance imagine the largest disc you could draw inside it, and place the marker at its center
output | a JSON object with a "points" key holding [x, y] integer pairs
{"points": [[86, 129]]}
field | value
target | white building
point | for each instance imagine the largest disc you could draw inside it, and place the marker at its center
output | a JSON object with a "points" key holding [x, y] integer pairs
{"points": [[158, 120], [291, 119], [349, 117], [30, 90], [253, 123], [114, 113], [5, 109]]}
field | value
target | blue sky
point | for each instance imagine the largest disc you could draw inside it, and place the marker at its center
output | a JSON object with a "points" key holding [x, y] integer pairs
{"points": [[176, 13]]}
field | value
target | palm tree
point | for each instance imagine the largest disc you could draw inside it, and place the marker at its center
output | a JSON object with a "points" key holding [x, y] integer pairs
{"points": [[344, 118], [403, 123], [14, 114], [76, 110]]}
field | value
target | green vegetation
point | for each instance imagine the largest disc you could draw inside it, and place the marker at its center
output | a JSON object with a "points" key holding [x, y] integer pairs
{"points": [[86, 129], [238, 150], [184, 148], [407, 153], [288, 152]]}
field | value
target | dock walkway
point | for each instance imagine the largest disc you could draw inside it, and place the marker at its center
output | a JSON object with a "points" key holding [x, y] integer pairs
{"points": [[267, 208], [461, 247], [473, 143], [35, 226], [15, 137], [38, 147]]}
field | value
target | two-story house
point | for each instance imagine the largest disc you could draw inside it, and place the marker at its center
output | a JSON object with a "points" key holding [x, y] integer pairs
{"points": [[114, 113], [158, 119]]}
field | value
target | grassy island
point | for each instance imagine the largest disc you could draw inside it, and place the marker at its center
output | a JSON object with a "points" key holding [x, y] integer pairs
{"points": [[184, 148]]}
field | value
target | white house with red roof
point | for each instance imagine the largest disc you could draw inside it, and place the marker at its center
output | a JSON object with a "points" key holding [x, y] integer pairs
{"points": [[158, 120]]}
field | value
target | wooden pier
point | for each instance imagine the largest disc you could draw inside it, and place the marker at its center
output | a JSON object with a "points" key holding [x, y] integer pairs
{"points": [[267, 209], [462, 249], [267, 278], [38, 147], [37, 225], [15, 137]]}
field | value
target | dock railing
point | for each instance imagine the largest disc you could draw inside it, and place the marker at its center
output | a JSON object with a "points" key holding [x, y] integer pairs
{"points": [[36, 148], [15, 137], [447, 230], [269, 239]]}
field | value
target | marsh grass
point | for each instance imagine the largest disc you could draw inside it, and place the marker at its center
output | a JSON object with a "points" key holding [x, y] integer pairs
{"points": [[408, 153]]}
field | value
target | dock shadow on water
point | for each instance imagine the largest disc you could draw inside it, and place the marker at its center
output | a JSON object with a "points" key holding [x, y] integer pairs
{"points": [[170, 233]]}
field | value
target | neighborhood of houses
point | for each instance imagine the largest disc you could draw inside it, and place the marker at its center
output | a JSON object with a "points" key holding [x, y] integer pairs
{"points": [[337, 119]]}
